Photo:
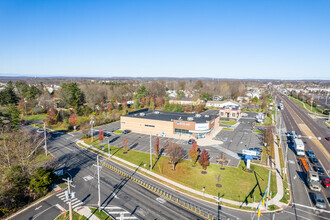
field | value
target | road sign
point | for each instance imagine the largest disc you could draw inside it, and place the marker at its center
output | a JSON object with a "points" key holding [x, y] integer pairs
{"points": [[249, 152], [248, 157]]}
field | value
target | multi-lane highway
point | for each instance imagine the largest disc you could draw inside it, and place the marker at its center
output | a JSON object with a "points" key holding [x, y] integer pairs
{"points": [[295, 119]]}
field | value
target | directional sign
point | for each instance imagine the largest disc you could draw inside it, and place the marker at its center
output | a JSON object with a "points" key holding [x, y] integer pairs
{"points": [[248, 157], [249, 152]]}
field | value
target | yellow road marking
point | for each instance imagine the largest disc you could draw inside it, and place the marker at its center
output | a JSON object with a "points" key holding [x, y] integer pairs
{"points": [[69, 149]]}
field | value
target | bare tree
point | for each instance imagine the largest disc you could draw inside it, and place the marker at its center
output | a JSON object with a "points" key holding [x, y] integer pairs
{"points": [[175, 153]]}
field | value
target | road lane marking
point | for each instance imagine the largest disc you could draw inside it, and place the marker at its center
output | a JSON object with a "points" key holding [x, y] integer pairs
{"points": [[68, 148], [310, 207], [60, 207], [160, 200], [38, 207], [89, 177]]}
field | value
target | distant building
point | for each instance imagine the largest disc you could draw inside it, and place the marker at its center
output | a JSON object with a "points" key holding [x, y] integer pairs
{"points": [[222, 104], [243, 99], [228, 112], [185, 101], [217, 98]]}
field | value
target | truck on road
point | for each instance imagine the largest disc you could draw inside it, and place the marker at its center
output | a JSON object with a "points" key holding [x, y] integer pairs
{"points": [[312, 177], [299, 147]]}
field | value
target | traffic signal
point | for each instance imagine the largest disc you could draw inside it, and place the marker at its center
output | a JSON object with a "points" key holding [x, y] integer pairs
{"points": [[259, 212]]}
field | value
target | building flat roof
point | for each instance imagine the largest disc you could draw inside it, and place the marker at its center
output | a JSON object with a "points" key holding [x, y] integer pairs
{"points": [[171, 116]]}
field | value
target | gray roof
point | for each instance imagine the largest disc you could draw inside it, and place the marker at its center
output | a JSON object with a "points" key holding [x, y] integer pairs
{"points": [[170, 116]]}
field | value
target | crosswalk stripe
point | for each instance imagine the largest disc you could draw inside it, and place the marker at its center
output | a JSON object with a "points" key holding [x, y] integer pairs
{"points": [[130, 217], [73, 201], [61, 196], [113, 213], [76, 205], [61, 193], [113, 207]]}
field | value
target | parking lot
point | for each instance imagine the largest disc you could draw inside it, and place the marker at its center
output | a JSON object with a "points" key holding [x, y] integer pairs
{"points": [[233, 141], [242, 137]]}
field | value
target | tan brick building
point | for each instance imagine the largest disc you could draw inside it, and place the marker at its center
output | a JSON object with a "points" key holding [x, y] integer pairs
{"points": [[171, 124]]}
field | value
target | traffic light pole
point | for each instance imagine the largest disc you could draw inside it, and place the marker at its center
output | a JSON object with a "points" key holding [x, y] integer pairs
{"points": [[262, 201]]}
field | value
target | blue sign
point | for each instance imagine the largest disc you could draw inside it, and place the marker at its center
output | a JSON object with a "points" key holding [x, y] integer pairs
{"points": [[178, 123], [248, 157]]}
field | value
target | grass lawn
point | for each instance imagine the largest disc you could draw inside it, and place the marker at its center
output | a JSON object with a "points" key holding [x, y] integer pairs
{"points": [[101, 215], [327, 123], [41, 157], [230, 122], [75, 216], [307, 106], [30, 118], [88, 141], [118, 131], [258, 131], [227, 129], [268, 121], [236, 184]]}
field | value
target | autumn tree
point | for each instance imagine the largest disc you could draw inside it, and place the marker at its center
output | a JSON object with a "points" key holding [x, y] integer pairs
{"points": [[156, 146], [101, 135], [125, 143], [52, 116], [194, 153], [73, 120], [175, 153], [109, 107], [204, 160], [143, 101]]}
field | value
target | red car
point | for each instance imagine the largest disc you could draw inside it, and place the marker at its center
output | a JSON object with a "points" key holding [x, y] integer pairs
{"points": [[327, 138], [325, 181]]}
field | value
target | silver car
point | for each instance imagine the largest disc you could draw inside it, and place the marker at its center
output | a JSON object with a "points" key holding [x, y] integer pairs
{"points": [[319, 201]]}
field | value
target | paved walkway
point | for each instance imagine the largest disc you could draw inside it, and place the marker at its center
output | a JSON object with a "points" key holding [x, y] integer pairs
{"points": [[273, 201], [85, 211]]}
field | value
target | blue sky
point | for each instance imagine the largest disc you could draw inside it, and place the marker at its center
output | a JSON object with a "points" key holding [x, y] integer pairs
{"points": [[220, 39]]}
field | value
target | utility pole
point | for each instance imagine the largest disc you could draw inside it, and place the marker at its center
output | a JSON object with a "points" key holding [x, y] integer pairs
{"points": [[150, 155], [45, 135], [312, 102], [69, 196], [262, 201], [98, 182], [109, 147], [92, 122]]}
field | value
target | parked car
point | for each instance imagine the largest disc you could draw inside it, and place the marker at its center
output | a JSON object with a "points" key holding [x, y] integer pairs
{"points": [[310, 153], [319, 201], [191, 141], [314, 160], [325, 180], [257, 157], [126, 131], [327, 138], [319, 169], [106, 134], [258, 149], [40, 130]]}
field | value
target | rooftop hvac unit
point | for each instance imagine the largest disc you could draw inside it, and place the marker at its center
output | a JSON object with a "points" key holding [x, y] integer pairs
{"points": [[156, 112], [190, 118], [142, 114], [207, 116], [197, 115]]}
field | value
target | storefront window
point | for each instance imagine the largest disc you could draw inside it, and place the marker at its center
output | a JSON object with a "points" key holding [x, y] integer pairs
{"points": [[233, 114], [182, 132]]}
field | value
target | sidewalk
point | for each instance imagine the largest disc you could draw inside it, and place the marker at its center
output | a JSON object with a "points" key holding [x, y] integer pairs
{"points": [[85, 211], [273, 201]]}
